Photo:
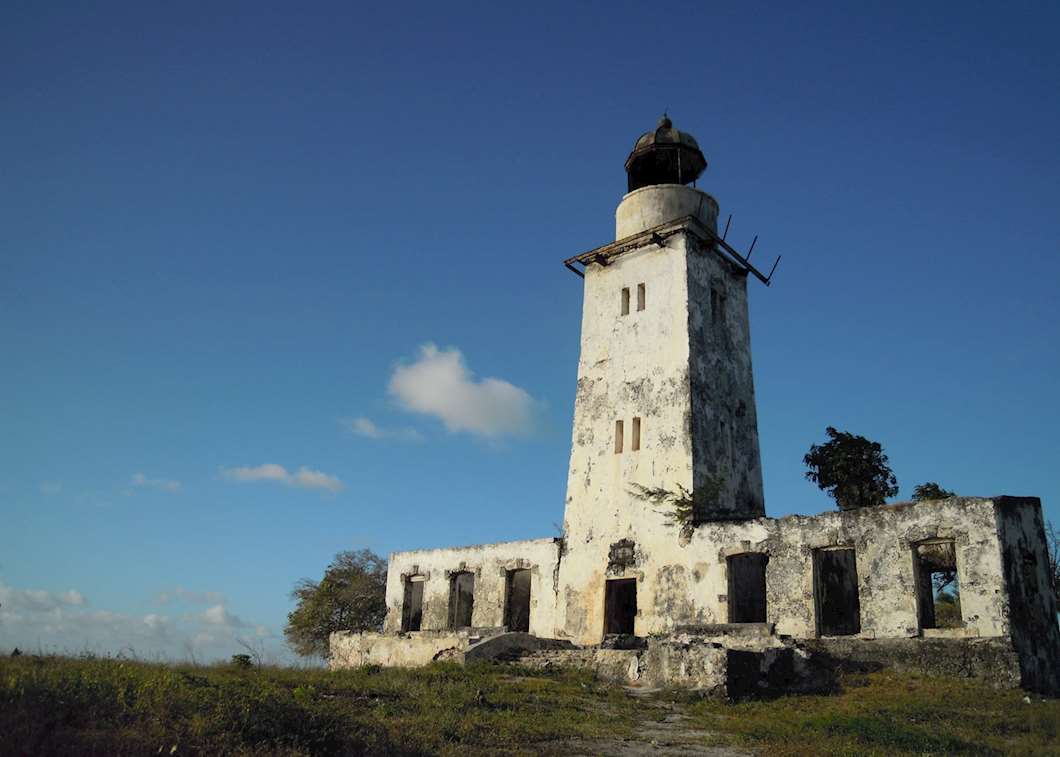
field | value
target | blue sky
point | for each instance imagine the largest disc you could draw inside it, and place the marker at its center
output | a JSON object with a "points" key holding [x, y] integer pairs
{"points": [[279, 280]]}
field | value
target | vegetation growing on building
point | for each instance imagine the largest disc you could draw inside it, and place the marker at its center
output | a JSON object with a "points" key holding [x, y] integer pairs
{"points": [[852, 469], [683, 508]]}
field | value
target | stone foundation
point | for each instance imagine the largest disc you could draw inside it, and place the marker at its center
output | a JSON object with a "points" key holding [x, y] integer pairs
{"points": [[992, 660]]}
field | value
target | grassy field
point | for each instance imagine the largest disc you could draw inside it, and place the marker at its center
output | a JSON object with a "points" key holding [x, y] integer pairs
{"points": [[891, 714], [54, 705]]}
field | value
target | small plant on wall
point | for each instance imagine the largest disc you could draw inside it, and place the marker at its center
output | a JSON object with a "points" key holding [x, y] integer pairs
{"points": [[681, 506]]}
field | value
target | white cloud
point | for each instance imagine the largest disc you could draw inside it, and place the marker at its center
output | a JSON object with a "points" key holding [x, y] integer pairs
{"points": [[142, 481], [156, 622], [304, 477], [62, 622], [266, 472], [73, 597], [180, 594], [362, 426], [38, 600], [218, 615], [313, 479], [439, 383]]}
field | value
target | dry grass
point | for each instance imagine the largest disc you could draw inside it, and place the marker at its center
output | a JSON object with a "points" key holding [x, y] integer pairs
{"points": [[892, 714], [86, 706], [100, 706]]}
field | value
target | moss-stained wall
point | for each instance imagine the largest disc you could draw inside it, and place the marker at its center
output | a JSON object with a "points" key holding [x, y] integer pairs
{"points": [[1031, 600], [489, 563]]}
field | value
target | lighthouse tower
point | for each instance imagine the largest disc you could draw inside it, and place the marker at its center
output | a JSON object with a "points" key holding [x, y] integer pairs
{"points": [[665, 397]]}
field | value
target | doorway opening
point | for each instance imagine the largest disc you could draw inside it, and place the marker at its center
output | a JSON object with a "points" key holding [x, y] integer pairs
{"points": [[517, 608], [938, 591], [461, 599], [747, 588], [620, 605], [412, 607], [836, 592]]}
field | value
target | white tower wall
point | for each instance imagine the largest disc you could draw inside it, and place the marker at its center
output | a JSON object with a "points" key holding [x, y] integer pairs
{"points": [[684, 370]]}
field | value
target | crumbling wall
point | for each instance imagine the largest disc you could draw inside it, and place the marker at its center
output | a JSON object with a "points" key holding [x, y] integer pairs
{"points": [[883, 539], [686, 583], [630, 366], [350, 649], [489, 563], [724, 419], [991, 659], [1031, 607]]}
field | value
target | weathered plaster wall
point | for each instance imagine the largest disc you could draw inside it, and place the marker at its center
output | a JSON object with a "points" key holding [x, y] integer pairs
{"points": [[883, 539], [687, 583], [402, 650], [724, 420], [649, 206], [1031, 605], [992, 659], [489, 563], [633, 365], [682, 365]]}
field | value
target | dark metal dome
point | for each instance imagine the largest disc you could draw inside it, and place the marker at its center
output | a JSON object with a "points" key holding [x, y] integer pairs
{"points": [[664, 156]]}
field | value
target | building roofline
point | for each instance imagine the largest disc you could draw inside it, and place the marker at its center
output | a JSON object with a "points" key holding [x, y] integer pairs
{"points": [[658, 234]]}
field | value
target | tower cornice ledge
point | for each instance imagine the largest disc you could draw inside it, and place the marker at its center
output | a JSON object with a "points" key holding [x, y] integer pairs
{"points": [[657, 235]]}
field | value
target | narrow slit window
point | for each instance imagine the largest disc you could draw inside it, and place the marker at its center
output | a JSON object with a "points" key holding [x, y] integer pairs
{"points": [[625, 300], [717, 307], [635, 441], [640, 296], [618, 437]]}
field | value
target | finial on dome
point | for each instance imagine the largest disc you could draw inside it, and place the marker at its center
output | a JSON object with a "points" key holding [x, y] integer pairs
{"points": [[665, 122]]}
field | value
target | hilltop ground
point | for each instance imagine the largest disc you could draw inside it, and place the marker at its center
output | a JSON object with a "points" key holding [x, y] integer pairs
{"points": [[86, 706]]}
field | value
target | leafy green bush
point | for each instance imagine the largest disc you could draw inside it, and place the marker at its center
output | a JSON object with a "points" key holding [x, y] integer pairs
{"points": [[852, 469]]}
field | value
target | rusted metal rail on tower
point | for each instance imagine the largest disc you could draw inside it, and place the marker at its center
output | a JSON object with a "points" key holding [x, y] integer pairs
{"points": [[658, 235]]}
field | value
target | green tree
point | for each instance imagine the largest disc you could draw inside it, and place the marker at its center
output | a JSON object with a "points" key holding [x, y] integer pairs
{"points": [[350, 597], [931, 490], [852, 469], [948, 608]]}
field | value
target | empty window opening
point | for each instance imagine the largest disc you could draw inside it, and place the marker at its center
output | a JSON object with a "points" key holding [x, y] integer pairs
{"points": [[625, 300], [747, 588], [937, 588], [461, 599], [620, 605], [726, 440], [717, 307], [836, 592], [517, 607], [618, 437], [412, 607], [634, 443], [640, 296]]}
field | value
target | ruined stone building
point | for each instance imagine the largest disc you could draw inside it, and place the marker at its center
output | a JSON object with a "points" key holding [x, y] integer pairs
{"points": [[665, 399]]}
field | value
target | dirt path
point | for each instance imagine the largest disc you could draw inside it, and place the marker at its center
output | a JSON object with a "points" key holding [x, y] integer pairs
{"points": [[664, 729]]}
